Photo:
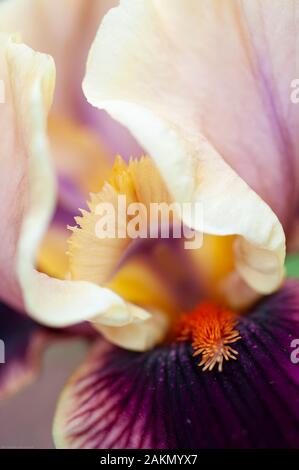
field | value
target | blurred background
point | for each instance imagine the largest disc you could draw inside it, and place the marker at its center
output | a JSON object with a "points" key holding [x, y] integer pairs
{"points": [[26, 418]]}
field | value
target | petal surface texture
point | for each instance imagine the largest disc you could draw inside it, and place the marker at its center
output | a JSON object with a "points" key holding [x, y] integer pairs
{"points": [[206, 118], [162, 399]]}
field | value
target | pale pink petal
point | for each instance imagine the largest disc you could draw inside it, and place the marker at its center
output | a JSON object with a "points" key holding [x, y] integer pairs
{"points": [[62, 28], [65, 30]]}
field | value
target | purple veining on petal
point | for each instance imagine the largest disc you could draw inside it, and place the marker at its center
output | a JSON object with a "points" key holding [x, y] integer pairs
{"points": [[161, 399]]}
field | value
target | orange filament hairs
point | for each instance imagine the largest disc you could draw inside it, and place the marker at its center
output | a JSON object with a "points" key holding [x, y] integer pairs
{"points": [[211, 329]]}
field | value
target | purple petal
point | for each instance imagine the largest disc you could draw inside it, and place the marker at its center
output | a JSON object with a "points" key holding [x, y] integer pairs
{"points": [[161, 399], [124, 143], [71, 197], [22, 343]]}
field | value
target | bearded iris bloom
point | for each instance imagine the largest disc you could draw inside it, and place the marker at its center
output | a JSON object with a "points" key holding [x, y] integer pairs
{"points": [[197, 343]]}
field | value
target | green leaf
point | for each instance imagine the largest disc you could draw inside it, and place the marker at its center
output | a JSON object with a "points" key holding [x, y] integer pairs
{"points": [[292, 266]]}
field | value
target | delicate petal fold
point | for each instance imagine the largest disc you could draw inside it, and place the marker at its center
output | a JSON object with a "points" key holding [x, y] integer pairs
{"points": [[155, 66], [162, 399], [28, 191]]}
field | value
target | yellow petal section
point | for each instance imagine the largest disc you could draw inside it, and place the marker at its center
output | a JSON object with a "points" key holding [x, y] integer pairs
{"points": [[82, 164], [52, 258], [137, 283], [95, 259], [78, 154], [215, 263]]}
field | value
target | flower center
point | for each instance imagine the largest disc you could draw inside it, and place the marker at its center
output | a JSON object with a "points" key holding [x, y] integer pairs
{"points": [[211, 329]]}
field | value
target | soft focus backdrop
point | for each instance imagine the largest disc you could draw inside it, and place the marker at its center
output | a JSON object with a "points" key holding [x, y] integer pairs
{"points": [[26, 419]]}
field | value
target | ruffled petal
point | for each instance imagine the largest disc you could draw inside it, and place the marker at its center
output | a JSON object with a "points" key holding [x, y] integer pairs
{"points": [[28, 192], [162, 399], [155, 66], [22, 345]]}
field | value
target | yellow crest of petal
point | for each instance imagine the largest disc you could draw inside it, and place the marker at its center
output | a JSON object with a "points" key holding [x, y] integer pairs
{"points": [[95, 259]]}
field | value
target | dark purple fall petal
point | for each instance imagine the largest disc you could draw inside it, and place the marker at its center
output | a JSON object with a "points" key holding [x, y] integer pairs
{"points": [[161, 399]]}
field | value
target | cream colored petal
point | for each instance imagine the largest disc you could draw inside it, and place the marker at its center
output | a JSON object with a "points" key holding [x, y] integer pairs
{"points": [[140, 74], [139, 336], [27, 191]]}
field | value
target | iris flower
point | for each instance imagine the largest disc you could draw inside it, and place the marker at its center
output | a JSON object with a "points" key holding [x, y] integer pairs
{"points": [[192, 348]]}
